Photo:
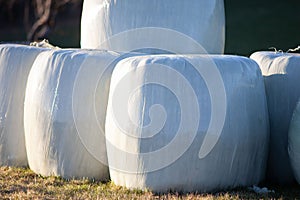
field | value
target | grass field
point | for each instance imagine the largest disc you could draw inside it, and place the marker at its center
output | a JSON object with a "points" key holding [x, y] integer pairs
{"points": [[19, 183]]}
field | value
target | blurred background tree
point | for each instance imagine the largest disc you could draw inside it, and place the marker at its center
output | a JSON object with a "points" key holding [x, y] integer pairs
{"points": [[36, 18], [250, 25], [45, 12]]}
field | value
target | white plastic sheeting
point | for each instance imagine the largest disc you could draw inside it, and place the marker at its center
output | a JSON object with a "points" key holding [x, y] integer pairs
{"points": [[154, 132], [281, 73], [65, 108], [15, 64], [294, 143], [203, 21]]}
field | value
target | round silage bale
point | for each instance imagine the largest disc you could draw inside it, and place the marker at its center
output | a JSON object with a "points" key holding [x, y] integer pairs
{"points": [[65, 108], [15, 64], [187, 123], [281, 73], [294, 143], [142, 23]]}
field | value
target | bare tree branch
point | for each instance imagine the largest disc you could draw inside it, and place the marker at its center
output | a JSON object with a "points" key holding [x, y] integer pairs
{"points": [[42, 21], [38, 15], [26, 19], [39, 7]]}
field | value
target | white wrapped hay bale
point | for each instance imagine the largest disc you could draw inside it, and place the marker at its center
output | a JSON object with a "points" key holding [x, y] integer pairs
{"points": [[104, 20], [164, 123], [281, 74], [15, 64], [294, 143], [65, 108]]}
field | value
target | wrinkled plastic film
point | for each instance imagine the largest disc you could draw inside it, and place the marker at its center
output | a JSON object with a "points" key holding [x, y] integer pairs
{"points": [[159, 111], [203, 21], [15, 64], [281, 74]]}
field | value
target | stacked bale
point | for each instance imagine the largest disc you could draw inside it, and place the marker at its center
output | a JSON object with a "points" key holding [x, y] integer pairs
{"points": [[15, 64], [125, 25], [207, 127], [65, 109], [281, 74], [294, 143]]}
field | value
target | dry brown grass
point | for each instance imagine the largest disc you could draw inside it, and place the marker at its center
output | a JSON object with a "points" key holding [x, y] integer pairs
{"points": [[19, 183]]}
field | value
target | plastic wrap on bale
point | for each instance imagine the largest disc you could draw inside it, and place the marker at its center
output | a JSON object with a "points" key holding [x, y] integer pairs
{"points": [[152, 107], [103, 21], [281, 74], [15, 64], [294, 143], [65, 109]]}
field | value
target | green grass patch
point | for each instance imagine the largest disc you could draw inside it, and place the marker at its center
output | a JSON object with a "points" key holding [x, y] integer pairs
{"points": [[20, 183]]}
